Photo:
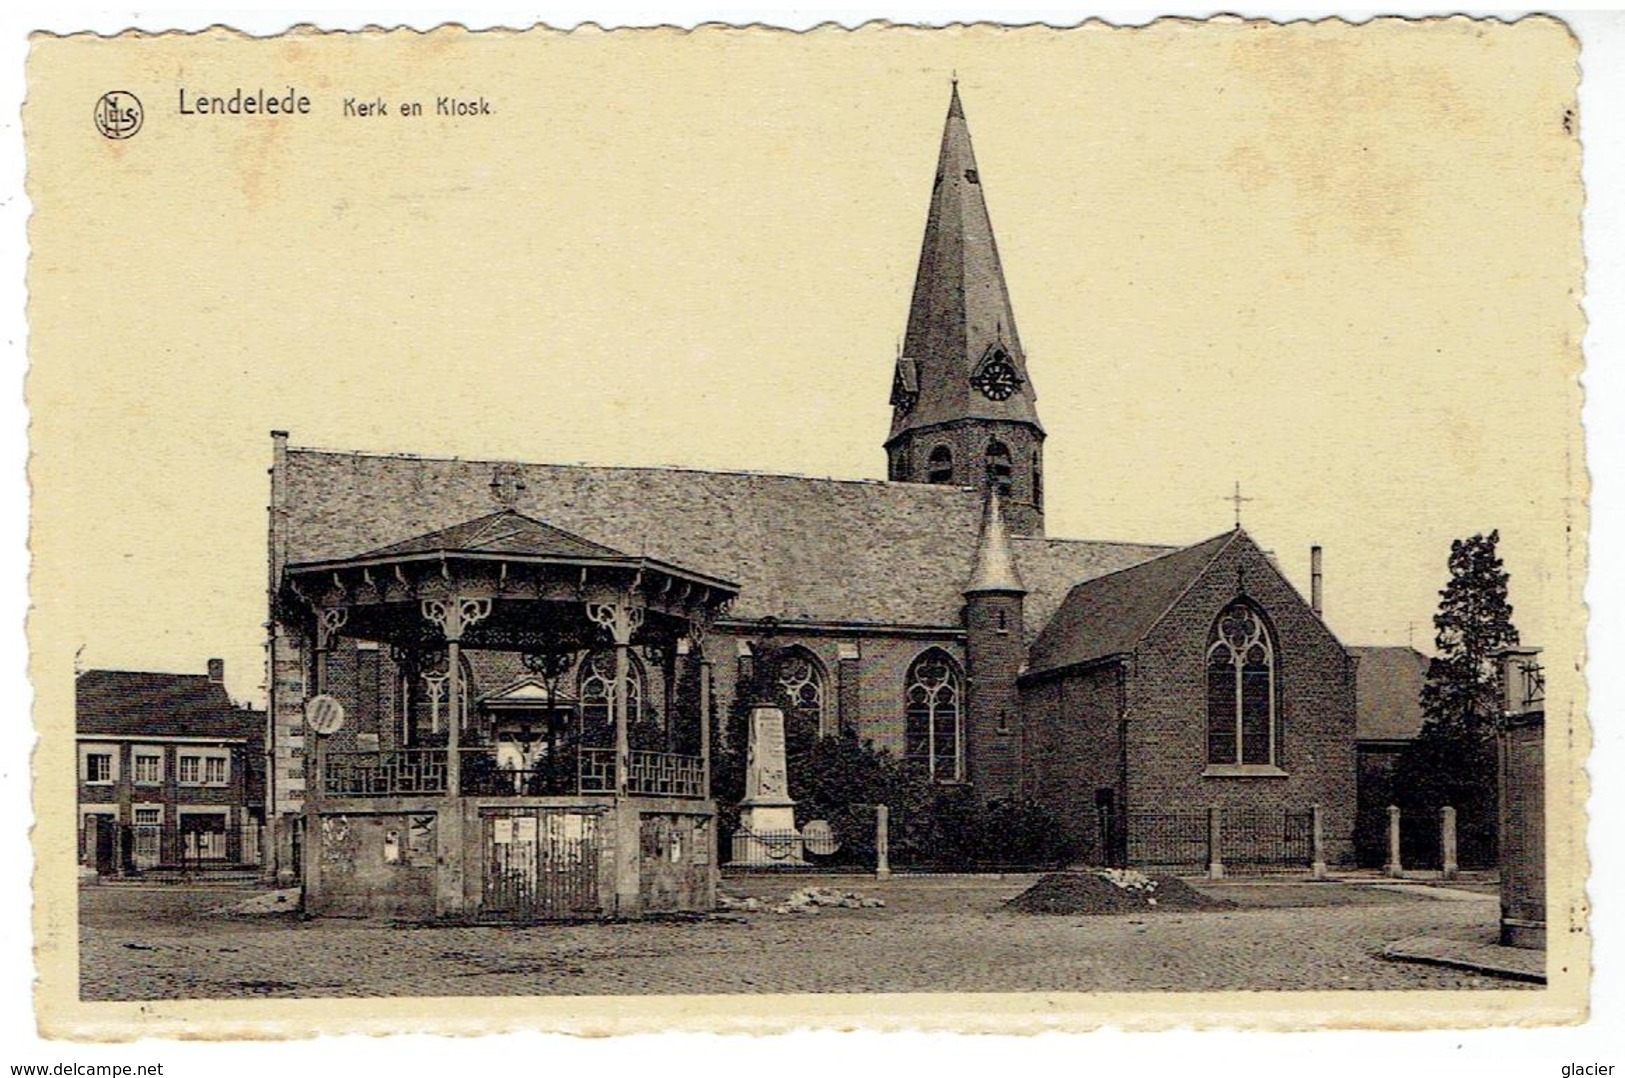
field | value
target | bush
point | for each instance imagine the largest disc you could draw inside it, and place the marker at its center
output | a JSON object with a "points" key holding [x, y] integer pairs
{"points": [[966, 832], [840, 778]]}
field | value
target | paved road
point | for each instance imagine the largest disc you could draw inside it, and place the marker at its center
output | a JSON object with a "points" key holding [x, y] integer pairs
{"points": [[936, 935]]}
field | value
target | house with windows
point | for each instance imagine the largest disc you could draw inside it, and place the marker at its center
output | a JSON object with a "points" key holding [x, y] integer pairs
{"points": [[171, 772], [528, 707]]}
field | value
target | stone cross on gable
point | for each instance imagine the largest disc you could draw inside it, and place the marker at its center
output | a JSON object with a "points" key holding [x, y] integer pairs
{"points": [[507, 483], [1237, 500]]}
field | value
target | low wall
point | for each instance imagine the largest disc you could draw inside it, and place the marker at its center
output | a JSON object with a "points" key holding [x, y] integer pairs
{"points": [[510, 858]]}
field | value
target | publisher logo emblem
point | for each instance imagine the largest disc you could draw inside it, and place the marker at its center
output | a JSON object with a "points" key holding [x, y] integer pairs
{"points": [[118, 114]]}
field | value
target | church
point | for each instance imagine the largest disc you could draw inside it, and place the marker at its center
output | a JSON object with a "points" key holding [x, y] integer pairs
{"points": [[528, 658]]}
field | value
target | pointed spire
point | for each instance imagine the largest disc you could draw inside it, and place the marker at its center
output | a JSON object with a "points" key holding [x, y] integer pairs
{"points": [[961, 328], [995, 569]]}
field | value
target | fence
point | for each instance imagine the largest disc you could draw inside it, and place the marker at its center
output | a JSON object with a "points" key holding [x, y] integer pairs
{"points": [[849, 843], [419, 772], [665, 774], [1237, 841], [1267, 841], [1244, 841], [648, 774], [1422, 838], [1171, 839], [878, 838], [385, 774]]}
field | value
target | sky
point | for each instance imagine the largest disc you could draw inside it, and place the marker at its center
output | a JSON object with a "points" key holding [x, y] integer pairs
{"points": [[1336, 266]]}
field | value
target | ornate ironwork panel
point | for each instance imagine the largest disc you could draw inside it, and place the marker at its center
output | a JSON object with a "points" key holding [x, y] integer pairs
{"points": [[665, 774], [386, 773], [597, 773]]}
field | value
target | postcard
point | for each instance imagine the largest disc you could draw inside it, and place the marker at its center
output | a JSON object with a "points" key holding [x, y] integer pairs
{"points": [[983, 528]]}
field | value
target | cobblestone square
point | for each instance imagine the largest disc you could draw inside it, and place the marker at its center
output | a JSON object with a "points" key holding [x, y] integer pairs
{"points": [[936, 934]]}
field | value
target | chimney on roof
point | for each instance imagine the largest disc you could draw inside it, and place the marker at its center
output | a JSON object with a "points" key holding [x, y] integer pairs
{"points": [[217, 671], [1314, 579]]}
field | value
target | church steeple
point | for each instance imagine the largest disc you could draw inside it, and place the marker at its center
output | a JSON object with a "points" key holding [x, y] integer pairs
{"points": [[964, 409]]}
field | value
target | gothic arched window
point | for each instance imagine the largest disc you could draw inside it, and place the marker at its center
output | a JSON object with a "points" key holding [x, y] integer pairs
{"points": [[424, 693], [998, 465], [931, 717], [939, 466], [595, 689], [801, 682], [1038, 481], [801, 695], [1240, 688]]}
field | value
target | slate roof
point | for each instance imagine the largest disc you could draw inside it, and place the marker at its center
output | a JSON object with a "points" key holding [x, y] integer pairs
{"points": [[960, 309], [1111, 614], [124, 703], [1051, 567], [1387, 692], [819, 550], [995, 562], [505, 532]]}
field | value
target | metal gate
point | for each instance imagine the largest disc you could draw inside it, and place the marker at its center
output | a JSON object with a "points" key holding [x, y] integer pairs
{"points": [[539, 863], [1264, 841]]}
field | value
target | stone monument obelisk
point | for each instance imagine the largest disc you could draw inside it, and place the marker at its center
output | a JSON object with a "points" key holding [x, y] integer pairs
{"points": [[767, 832]]}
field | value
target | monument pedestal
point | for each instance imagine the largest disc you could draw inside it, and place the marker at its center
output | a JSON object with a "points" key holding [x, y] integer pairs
{"points": [[767, 832], [767, 835]]}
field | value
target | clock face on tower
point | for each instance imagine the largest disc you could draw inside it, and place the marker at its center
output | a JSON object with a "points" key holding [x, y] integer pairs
{"points": [[997, 377]]}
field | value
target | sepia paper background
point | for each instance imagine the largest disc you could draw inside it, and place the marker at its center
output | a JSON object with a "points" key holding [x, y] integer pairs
{"points": [[1339, 264]]}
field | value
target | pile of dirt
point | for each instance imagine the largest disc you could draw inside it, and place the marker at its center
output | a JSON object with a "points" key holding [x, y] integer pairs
{"points": [[1102, 891], [272, 902], [805, 900]]}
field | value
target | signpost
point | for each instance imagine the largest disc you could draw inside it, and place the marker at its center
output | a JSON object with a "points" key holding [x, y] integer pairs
{"points": [[325, 717]]}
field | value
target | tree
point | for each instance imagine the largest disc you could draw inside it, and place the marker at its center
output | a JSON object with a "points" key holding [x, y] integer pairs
{"points": [[1452, 761]]}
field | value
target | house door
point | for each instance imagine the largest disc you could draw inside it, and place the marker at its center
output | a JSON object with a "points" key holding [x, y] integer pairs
{"points": [[296, 847], [148, 832], [101, 848], [540, 863], [1107, 832]]}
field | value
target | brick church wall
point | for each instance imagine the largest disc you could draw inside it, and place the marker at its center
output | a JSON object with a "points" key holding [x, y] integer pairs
{"points": [[1167, 750], [1074, 750], [875, 679], [883, 673]]}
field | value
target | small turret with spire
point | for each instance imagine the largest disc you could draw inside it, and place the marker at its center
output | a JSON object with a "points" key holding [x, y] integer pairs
{"points": [[995, 648], [995, 570], [963, 408]]}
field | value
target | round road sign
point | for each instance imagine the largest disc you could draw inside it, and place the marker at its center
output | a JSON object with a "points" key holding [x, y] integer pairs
{"points": [[324, 714], [817, 836]]}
